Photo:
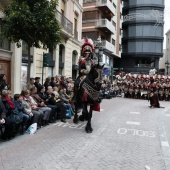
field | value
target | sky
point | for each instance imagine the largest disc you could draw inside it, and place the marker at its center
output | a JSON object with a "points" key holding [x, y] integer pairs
{"points": [[166, 19]]}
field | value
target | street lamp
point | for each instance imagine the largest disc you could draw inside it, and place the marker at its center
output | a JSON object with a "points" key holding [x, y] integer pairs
{"points": [[99, 53], [167, 65]]}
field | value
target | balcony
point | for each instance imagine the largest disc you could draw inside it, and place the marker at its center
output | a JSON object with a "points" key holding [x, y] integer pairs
{"points": [[65, 24], [107, 46], [107, 7], [105, 25]]}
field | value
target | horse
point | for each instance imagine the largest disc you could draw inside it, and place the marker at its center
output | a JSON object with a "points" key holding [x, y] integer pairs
{"points": [[88, 94]]}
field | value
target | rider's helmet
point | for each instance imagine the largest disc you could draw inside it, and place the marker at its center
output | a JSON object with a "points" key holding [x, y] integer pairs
{"points": [[87, 47]]}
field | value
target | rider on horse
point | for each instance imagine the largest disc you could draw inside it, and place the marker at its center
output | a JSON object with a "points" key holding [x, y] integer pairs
{"points": [[85, 63]]}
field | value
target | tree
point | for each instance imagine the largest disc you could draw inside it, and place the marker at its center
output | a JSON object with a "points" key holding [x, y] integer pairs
{"points": [[4, 3], [32, 21]]}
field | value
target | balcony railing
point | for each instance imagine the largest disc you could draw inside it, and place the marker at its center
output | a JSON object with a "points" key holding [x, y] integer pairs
{"points": [[76, 34], [106, 3], [105, 23], [65, 24], [88, 1], [107, 46]]}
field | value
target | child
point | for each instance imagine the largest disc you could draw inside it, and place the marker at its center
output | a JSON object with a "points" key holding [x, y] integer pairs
{"points": [[20, 107]]}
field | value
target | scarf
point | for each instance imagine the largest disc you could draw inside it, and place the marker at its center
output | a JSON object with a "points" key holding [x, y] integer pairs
{"points": [[9, 100]]}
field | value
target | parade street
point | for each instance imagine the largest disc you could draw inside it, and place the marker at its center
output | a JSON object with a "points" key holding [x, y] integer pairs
{"points": [[127, 135]]}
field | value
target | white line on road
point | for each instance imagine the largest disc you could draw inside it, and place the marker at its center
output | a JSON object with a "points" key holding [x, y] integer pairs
{"points": [[165, 143], [167, 114], [132, 123], [101, 110], [137, 113]]}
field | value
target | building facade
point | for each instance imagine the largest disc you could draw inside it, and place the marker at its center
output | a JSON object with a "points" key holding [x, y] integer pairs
{"points": [[13, 60], [142, 41], [167, 54], [101, 20]]}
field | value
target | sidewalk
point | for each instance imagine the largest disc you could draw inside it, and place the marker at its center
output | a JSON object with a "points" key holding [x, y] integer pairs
{"points": [[125, 137]]}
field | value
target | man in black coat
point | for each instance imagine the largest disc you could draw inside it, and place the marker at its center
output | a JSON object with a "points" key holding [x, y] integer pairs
{"points": [[7, 122], [37, 83]]}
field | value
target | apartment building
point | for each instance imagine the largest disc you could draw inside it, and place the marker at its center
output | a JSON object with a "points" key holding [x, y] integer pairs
{"points": [[142, 41], [13, 60], [166, 58], [102, 20]]}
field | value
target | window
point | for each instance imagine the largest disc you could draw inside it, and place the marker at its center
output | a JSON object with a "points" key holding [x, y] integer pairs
{"points": [[113, 41], [62, 6]]}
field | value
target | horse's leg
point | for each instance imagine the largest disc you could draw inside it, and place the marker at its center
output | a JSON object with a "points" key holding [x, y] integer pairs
{"points": [[75, 120], [88, 127], [84, 112]]}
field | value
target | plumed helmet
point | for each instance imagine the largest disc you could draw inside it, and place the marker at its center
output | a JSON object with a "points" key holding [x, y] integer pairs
{"points": [[87, 45]]}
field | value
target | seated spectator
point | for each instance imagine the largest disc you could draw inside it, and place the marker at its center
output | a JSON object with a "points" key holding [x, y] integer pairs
{"points": [[57, 80], [44, 96], [30, 84], [37, 83], [20, 107], [7, 122], [46, 83], [70, 87], [12, 111], [64, 96], [41, 105], [66, 99], [53, 82], [63, 82], [3, 83], [54, 99], [31, 107]]}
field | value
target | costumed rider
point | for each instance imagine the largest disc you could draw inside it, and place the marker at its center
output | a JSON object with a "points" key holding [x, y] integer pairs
{"points": [[86, 62]]}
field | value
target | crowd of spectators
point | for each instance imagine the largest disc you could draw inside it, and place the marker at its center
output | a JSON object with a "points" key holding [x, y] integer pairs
{"points": [[37, 103]]}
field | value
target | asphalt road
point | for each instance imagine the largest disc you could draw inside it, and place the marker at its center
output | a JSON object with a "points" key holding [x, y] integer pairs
{"points": [[127, 135]]}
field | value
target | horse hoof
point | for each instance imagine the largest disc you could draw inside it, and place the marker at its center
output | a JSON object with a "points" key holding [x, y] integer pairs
{"points": [[75, 120], [88, 129]]}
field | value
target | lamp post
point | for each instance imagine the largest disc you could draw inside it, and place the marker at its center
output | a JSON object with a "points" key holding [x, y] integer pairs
{"points": [[99, 53], [167, 66]]}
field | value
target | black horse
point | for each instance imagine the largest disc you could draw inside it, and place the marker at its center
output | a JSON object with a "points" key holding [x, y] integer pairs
{"points": [[87, 93]]}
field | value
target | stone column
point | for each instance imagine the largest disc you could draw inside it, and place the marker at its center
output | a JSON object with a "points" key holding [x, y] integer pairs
{"points": [[16, 63], [56, 58]]}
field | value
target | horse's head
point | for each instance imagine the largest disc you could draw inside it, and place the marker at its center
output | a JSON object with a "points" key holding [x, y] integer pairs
{"points": [[95, 73]]}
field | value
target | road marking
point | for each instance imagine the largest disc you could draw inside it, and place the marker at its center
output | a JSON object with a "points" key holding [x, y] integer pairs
{"points": [[132, 123], [137, 113], [167, 114], [101, 110], [70, 125], [165, 143], [141, 133]]}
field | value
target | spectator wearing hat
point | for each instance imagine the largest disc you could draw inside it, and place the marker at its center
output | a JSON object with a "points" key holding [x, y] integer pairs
{"points": [[37, 83]]}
